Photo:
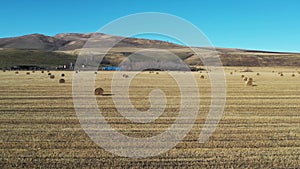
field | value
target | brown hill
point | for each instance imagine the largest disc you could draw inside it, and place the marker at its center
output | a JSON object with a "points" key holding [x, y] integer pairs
{"points": [[69, 45], [72, 41]]}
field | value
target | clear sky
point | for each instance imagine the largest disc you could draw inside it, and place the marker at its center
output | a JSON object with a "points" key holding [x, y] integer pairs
{"points": [[272, 25]]}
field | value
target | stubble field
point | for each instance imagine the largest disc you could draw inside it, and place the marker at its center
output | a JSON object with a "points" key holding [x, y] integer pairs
{"points": [[260, 127]]}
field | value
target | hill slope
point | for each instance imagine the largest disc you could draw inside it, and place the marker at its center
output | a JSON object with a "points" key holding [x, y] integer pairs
{"points": [[51, 51]]}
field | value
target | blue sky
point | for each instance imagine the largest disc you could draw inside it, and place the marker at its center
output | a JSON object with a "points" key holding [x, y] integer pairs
{"points": [[272, 25]]}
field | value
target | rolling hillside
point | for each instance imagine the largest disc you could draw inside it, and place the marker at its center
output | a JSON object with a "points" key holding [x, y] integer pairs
{"points": [[51, 51]]}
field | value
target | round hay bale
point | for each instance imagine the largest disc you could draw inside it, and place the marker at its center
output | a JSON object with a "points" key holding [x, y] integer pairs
{"points": [[99, 91], [49, 74], [62, 75], [293, 75], [249, 83], [202, 76], [48, 71], [95, 73], [4, 70], [242, 76], [231, 73], [76, 71], [33, 71], [42, 71], [62, 81], [245, 78], [16, 72], [27, 73], [281, 74], [52, 76], [157, 73], [257, 74]]}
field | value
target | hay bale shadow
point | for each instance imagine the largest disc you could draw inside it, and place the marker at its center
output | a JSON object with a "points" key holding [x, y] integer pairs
{"points": [[107, 94]]}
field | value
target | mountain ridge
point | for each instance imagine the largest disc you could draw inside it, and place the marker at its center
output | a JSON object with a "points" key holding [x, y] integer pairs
{"points": [[72, 41]]}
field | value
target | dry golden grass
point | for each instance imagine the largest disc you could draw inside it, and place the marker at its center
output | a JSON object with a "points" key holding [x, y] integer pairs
{"points": [[260, 128]]}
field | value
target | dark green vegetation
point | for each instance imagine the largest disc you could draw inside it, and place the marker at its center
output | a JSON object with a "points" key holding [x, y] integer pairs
{"points": [[50, 60], [13, 57]]}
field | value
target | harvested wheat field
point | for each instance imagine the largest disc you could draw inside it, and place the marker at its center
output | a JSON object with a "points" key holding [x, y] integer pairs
{"points": [[260, 127]]}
